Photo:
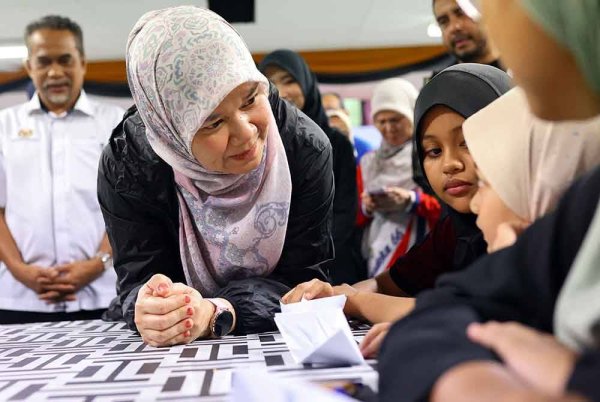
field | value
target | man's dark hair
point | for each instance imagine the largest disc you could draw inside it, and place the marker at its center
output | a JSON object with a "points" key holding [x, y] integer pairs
{"points": [[57, 23]]}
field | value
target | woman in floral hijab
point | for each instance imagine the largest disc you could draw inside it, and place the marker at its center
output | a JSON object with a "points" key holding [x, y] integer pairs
{"points": [[214, 193]]}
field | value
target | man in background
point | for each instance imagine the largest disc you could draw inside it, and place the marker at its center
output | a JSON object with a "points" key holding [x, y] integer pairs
{"points": [[55, 258], [464, 37]]}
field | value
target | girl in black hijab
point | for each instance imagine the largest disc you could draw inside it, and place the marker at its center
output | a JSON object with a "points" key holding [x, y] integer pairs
{"points": [[461, 90], [455, 241], [298, 84]]}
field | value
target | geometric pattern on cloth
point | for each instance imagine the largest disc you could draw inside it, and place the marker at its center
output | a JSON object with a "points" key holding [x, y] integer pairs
{"points": [[104, 361]]}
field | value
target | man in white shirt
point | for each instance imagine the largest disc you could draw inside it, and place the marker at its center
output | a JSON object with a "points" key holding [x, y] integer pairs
{"points": [[55, 258]]}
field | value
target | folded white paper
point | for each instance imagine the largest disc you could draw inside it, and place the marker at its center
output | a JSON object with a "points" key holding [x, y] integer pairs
{"points": [[316, 331], [258, 386]]}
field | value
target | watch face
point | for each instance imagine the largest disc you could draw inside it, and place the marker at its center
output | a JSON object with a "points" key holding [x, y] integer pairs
{"points": [[223, 323]]}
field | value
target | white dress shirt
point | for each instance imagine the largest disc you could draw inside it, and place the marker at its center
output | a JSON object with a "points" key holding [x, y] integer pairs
{"points": [[48, 175]]}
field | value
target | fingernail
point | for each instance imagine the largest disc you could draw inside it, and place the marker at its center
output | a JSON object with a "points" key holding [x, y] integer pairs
{"points": [[187, 299], [190, 311], [162, 288], [187, 334], [188, 324]]}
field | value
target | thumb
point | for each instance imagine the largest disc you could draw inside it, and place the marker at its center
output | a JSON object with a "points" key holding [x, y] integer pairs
{"points": [[158, 285]]}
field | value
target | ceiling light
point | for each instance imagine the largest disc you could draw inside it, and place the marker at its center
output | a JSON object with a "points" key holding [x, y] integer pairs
{"points": [[13, 52], [471, 8], [434, 31]]}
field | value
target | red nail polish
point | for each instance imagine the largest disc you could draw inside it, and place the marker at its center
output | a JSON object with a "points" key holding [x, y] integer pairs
{"points": [[190, 311], [188, 324], [187, 299]]}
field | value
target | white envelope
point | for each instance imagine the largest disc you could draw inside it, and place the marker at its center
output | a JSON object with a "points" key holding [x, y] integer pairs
{"points": [[316, 331]]}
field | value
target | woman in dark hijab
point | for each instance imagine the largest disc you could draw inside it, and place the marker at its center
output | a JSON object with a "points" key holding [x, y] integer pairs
{"points": [[298, 84], [463, 89]]}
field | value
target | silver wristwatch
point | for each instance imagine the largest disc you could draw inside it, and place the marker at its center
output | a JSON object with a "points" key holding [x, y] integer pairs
{"points": [[105, 258]]}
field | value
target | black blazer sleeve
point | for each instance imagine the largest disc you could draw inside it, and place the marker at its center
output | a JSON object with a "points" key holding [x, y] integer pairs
{"points": [[520, 283], [141, 222]]}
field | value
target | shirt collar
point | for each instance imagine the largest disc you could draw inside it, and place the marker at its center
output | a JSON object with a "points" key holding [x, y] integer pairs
{"points": [[82, 105]]}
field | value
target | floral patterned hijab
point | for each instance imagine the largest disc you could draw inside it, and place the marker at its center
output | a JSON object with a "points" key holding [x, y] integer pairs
{"points": [[181, 63]]}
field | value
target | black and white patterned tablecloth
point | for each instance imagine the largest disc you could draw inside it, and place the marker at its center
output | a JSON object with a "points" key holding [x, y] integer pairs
{"points": [[100, 361]]}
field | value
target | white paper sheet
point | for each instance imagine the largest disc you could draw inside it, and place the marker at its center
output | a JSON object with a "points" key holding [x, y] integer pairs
{"points": [[316, 331], [259, 386]]}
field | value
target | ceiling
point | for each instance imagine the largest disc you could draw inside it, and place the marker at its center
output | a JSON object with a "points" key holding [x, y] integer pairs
{"points": [[295, 24]]}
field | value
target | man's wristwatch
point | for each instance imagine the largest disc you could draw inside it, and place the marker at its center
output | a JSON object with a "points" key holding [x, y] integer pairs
{"points": [[105, 258], [221, 322]]}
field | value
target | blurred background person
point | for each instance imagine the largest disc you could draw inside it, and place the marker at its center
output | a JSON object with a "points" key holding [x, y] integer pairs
{"points": [[339, 118], [464, 37], [298, 84], [390, 196], [56, 259]]}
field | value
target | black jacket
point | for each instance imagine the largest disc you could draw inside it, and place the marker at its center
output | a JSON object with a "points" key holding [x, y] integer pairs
{"points": [[520, 283], [136, 190]]}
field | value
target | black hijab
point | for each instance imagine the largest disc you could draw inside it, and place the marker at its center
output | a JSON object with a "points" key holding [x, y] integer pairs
{"points": [[295, 65], [465, 88]]}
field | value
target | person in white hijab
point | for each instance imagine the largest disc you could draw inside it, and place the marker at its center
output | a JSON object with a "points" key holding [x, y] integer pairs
{"points": [[390, 195], [524, 164], [252, 192]]}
